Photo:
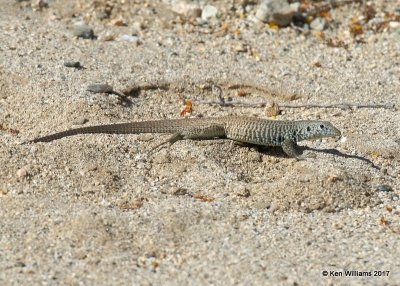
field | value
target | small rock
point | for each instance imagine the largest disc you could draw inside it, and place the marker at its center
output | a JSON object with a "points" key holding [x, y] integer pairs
{"points": [[107, 37], [80, 121], [384, 188], [240, 48], [39, 5], [22, 173], [243, 217], [189, 10], [139, 25], [83, 31], [277, 11], [272, 109], [193, 14], [394, 25], [118, 22], [100, 88], [337, 225], [394, 197], [209, 12], [273, 207], [72, 64], [318, 24], [3, 192], [131, 39], [333, 178]]}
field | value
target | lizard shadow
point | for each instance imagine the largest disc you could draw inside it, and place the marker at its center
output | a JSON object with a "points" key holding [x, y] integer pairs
{"points": [[275, 151], [278, 152], [341, 154]]}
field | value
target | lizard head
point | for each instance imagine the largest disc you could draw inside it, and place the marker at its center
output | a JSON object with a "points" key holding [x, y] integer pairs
{"points": [[318, 129]]}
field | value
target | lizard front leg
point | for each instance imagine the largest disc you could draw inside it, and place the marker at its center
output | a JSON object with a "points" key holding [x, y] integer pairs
{"points": [[292, 149]]}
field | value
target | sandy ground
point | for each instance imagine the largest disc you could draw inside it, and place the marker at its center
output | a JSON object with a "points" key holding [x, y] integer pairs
{"points": [[101, 209]]}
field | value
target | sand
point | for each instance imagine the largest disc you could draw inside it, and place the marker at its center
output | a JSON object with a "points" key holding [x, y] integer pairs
{"points": [[104, 210]]}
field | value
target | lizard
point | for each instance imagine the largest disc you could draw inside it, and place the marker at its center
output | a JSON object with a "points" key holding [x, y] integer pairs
{"points": [[251, 130]]}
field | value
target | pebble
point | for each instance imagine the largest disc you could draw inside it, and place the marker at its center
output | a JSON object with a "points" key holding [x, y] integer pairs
{"points": [[80, 121], [189, 10], [272, 109], [240, 48], [333, 178], [107, 37], [394, 25], [384, 188], [73, 64], [193, 14], [83, 31], [100, 88], [318, 24], [394, 197], [131, 39], [39, 5], [273, 207], [3, 192], [277, 11], [209, 12], [118, 22], [22, 173]]}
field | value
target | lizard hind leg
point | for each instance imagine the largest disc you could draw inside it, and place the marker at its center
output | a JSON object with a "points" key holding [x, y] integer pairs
{"points": [[206, 132], [171, 140]]}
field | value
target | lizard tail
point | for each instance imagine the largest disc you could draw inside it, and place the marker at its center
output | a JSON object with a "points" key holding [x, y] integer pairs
{"points": [[156, 126]]}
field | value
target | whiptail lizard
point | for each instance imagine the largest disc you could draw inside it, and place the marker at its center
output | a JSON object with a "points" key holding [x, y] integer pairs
{"points": [[242, 129]]}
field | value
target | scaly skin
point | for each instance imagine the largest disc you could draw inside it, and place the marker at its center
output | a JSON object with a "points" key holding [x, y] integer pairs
{"points": [[242, 129]]}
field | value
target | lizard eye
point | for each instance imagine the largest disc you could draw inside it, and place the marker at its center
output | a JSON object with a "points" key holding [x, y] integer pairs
{"points": [[322, 126], [308, 128]]}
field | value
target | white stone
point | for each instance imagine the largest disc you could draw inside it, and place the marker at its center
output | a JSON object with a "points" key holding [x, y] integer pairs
{"points": [[209, 12]]}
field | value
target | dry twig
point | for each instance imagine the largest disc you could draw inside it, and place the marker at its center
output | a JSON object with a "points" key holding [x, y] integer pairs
{"points": [[344, 105]]}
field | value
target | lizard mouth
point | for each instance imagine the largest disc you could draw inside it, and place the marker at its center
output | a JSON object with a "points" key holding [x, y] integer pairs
{"points": [[336, 132]]}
